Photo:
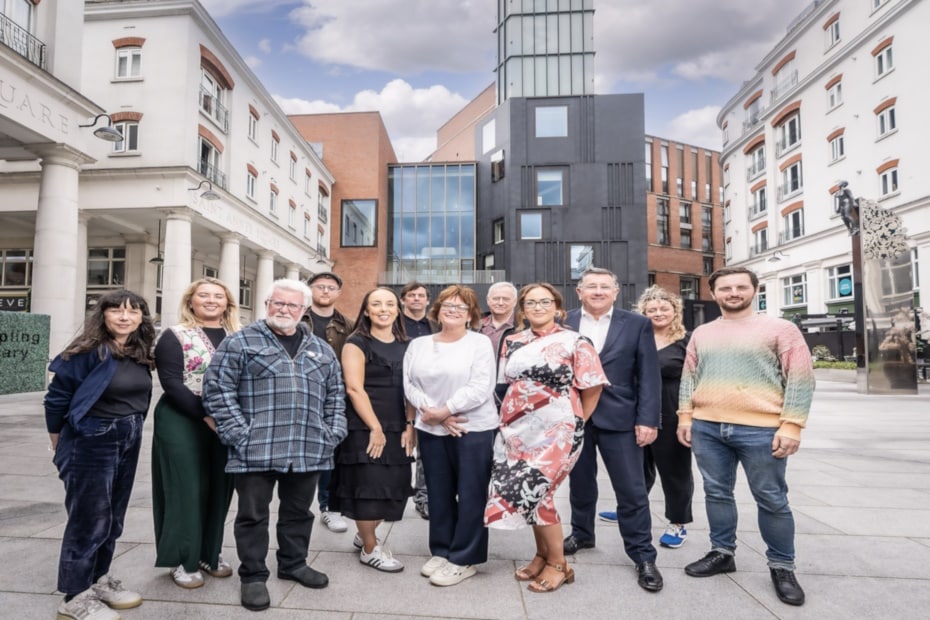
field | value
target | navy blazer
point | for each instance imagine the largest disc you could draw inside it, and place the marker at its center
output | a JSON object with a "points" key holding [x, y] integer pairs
{"points": [[631, 363]]}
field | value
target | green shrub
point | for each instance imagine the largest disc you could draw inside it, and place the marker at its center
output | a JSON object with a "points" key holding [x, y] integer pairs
{"points": [[822, 352], [837, 365]]}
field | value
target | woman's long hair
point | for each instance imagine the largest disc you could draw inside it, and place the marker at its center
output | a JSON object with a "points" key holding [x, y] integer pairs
{"points": [[230, 320], [96, 336], [676, 330], [363, 323]]}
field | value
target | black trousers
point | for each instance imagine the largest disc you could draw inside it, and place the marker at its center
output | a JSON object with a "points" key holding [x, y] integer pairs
{"points": [[295, 494], [673, 463]]}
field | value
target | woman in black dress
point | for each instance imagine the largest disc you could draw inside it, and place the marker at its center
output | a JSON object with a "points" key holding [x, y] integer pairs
{"points": [[371, 482]]}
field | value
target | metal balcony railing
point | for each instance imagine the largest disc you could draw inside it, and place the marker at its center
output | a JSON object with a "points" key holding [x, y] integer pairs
{"points": [[755, 249], [784, 85], [757, 209], [795, 232], [322, 214], [214, 174], [214, 109], [22, 42], [789, 189], [754, 170]]}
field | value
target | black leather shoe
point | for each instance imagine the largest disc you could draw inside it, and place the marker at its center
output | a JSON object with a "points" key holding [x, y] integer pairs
{"points": [[254, 596], [572, 545], [713, 563], [787, 587], [306, 577], [423, 510], [649, 576]]}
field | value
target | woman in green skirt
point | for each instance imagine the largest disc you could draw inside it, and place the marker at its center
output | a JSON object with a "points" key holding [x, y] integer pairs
{"points": [[190, 488]]}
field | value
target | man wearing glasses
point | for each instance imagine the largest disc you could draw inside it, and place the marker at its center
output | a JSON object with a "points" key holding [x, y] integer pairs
{"points": [[332, 327], [276, 393], [625, 420]]}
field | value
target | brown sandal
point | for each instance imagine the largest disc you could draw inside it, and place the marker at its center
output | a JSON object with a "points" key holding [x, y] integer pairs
{"points": [[544, 585], [524, 574]]}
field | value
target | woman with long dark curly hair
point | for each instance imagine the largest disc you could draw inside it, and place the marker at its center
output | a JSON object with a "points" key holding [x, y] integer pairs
{"points": [[94, 411]]}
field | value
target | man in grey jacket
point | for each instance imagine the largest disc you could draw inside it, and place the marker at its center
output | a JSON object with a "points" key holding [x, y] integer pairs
{"points": [[276, 393]]}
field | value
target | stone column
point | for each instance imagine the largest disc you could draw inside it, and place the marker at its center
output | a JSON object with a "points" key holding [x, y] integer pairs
{"points": [[293, 271], [55, 250], [177, 265], [264, 278], [80, 280], [229, 260]]}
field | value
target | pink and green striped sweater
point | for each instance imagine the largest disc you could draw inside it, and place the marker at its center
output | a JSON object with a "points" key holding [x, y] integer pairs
{"points": [[755, 371]]}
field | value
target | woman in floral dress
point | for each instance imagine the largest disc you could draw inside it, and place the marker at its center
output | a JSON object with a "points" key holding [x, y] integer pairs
{"points": [[555, 380]]}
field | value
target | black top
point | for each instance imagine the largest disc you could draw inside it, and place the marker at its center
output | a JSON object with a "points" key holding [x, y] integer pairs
{"points": [[384, 383], [671, 361], [169, 362], [319, 323], [128, 392], [417, 327], [291, 343]]}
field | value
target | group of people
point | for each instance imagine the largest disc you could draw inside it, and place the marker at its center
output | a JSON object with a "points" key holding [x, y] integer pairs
{"points": [[496, 412]]}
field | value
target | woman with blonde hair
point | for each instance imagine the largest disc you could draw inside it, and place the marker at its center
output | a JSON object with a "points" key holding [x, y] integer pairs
{"points": [[191, 491], [449, 382], [666, 455]]}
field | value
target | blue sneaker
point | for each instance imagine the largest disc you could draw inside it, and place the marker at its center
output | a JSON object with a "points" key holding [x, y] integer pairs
{"points": [[609, 517], [674, 536]]}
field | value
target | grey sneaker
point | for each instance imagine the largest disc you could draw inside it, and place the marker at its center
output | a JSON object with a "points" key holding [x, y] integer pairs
{"points": [[85, 606], [110, 591]]}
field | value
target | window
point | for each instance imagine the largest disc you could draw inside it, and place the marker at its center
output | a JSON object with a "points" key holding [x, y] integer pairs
{"points": [[915, 270], [788, 134], [497, 166], [726, 176], [793, 224], [498, 227], [488, 136], [250, 180], [664, 153], [832, 33], [835, 95], [292, 169], [877, 4], [210, 272], [648, 166], [761, 299], [752, 111], [245, 293], [552, 121], [840, 282], [253, 127], [531, 225], [359, 219], [210, 163], [884, 61], [307, 182], [708, 265], [794, 289], [726, 212], [684, 213], [756, 162], [581, 257], [106, 267], [887, 121], [728, 250], [707, 229], [791, 180], [306, 225], [888, 180], [681, 169], [292, 214], [489, 261], [273, 202], [837, 148], [549, 188], [689, 287], [20, 11], [321, 210], [684, 221], [685, 238], [320, 242], [128, 62], [16, 268], [212, 97], [759, 205], [275, 143], [760, 241], [130, 132], [662, 217], [708, 168]]}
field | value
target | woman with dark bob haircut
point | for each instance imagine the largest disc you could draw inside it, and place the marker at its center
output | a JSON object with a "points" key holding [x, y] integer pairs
{"points": [[449, 381], [94, 411]]}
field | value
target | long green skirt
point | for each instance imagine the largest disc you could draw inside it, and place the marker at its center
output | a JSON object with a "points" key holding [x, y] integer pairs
{"points": [[191, 491]]}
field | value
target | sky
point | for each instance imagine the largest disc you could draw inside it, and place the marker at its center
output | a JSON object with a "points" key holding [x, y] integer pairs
{"points": [[418, 62]]}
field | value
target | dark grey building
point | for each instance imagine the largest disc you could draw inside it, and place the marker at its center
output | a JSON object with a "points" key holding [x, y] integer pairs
{"points": [[561, 187]]}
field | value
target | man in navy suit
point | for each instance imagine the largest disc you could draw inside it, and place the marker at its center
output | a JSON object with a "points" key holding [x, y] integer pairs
{"points": [[625, 420]]}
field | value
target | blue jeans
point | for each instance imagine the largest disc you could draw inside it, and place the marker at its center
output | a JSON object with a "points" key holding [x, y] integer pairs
{"points": [[718, 448], [97, 462], [322, 494]]}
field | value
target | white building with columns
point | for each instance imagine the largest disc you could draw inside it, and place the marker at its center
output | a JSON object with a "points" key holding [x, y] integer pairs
{"points": [[841, 97], [93, 215]]}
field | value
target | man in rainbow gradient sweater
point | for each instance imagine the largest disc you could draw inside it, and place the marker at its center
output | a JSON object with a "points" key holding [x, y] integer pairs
{"points": [[746, 391]]}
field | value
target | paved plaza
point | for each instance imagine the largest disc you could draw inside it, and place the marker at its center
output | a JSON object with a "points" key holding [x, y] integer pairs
{"points": [[860, 490]]}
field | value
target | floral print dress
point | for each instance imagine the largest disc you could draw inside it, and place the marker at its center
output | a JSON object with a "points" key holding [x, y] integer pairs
{"points": [[541, 429]]}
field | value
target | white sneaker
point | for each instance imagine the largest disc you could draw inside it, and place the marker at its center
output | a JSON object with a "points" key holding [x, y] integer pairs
{"points": [[334, 521], [432, 565], [85, 606], [223, 568], [451, 574], [382, 559], [185, 579], [110, 591]]}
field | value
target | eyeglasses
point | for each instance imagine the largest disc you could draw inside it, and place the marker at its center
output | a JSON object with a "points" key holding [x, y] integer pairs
{"points": [[278, 305], [599, 287], [454, 307], [500, 300], [542, 303], [331, 288]]}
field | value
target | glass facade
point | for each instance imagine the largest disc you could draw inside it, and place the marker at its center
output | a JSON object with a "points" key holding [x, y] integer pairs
{"points": [[432, 234]]}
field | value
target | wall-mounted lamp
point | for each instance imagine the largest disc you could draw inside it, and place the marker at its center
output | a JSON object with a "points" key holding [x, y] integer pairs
{"points": [[777, 257], [208, 194], [159, 259], [108, 133]]}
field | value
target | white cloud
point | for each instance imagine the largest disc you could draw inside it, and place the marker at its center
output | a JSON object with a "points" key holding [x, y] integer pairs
{"points": [[697, 127], [450, 35], [222, 8], [411, 115], [252, 61], [265, 45]]}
